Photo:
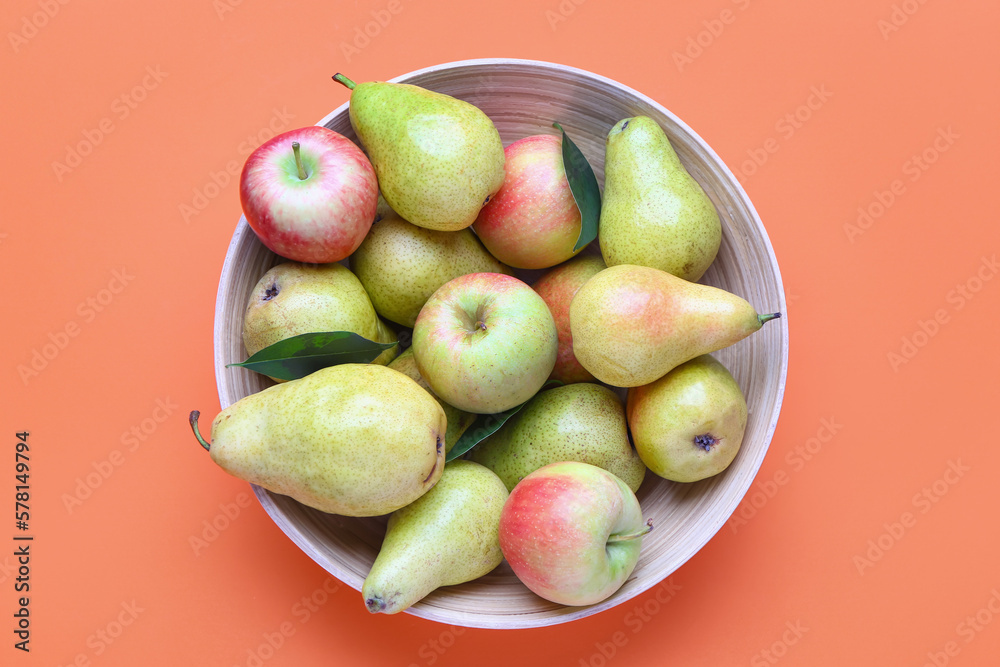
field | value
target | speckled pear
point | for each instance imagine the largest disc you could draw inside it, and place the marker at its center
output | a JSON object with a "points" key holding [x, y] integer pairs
{"points": [[654, 213], [401, 265], [578, 422], [292, 299], [447, 537], [438, 159], [633, 324], [689, 424], [354, 439]]}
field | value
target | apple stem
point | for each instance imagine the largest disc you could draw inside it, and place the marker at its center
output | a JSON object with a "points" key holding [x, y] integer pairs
{"points": [[193, 420], [626, 537], [340, 78], [298, 162], [768, 317]]}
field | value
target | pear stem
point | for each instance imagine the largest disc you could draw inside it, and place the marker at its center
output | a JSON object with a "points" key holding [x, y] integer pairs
{"points": [[768, 317], [340, 78], [193, 420], [298, 162], [627, 537]]}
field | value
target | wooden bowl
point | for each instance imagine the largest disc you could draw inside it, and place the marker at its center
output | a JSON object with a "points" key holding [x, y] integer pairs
{"points": [[524, 98]]}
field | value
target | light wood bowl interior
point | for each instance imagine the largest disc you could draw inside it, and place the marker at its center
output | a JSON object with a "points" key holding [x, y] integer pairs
{"points": [[524, 98]]}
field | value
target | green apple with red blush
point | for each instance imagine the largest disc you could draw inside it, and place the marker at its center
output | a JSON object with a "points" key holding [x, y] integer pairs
{"points": [[485, 342], [571, 532], [532, 222]]}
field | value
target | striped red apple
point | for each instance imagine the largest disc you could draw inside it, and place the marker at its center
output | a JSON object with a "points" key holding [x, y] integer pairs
{"points": [[309, 195]]}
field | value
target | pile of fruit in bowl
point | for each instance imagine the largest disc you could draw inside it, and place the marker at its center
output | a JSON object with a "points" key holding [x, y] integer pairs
{"points": [[419, 375]]}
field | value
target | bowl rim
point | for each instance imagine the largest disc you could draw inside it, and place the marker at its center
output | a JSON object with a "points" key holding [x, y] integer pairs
{"points": [[298, 536]]}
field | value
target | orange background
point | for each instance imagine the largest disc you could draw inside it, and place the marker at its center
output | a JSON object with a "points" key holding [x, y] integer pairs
{"points": [[821, 551]]}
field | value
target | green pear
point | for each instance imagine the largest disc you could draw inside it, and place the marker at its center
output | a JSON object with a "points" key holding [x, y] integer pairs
{"points": [[654, 213], [689, 424], [438, 159], [450, 535], [458, 420], [633, 324], [581, 422], [293, 299], [401, 265], [382, 209], [354, 439]]}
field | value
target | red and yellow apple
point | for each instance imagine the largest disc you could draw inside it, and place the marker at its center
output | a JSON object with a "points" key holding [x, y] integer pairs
{"points": [[532, 222], [571, 532], [309, 195], [557, 289]]}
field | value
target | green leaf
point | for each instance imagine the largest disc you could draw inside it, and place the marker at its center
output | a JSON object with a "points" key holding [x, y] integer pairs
{"points": [[298, 356], [586, 191], [486, 425]]}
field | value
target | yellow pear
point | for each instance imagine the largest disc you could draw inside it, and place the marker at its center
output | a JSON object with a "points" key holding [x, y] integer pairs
{"points": [[582, 422], [354, 439], [438, 159], [292, 299], [632, 324], [689, 424], [402, 265], [654, 213], [450, 535]]}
